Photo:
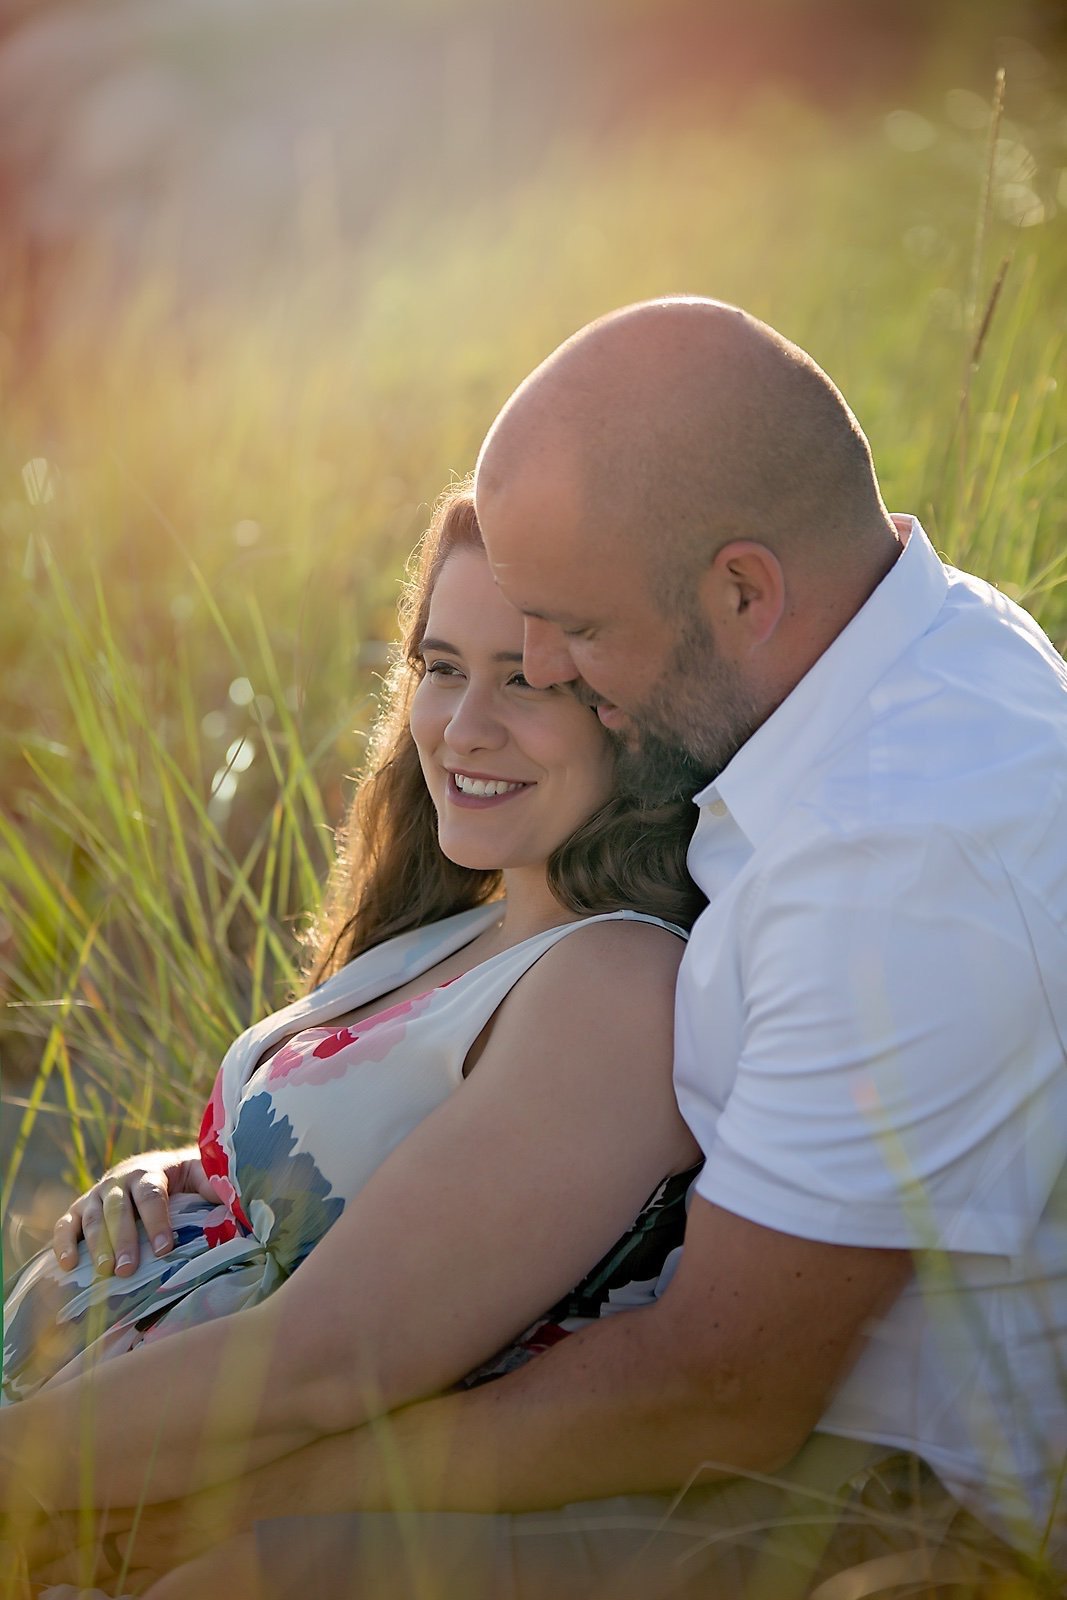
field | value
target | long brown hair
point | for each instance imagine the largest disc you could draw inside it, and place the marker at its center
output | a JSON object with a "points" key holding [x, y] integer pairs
{"points": [[391, 875]]}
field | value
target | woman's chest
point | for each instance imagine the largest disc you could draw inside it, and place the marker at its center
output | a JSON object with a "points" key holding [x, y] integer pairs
{"points": [[322, 1113], [359, 1020]]}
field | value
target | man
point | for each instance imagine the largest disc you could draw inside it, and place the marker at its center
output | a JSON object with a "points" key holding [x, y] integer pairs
{"points": [[871, 1013]]}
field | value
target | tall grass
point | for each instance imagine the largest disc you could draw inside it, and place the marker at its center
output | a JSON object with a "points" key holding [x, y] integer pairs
{"points": [[164, 935], [205, 508]]}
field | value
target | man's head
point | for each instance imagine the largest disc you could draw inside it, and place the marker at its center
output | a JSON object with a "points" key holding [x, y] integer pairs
{"points": [[686, 511]]}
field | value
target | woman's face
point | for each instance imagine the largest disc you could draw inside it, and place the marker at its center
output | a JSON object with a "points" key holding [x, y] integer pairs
{"points": [[512, 770]]}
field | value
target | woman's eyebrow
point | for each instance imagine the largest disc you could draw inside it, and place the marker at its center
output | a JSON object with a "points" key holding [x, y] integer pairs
{"points": [[438, 644], [450, 650]]}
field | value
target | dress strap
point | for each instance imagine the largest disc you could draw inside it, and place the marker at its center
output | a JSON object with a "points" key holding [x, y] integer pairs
{"points": [[463, 1007]]}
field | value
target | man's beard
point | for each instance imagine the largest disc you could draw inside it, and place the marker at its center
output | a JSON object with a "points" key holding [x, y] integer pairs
{"points": [[654, 770], [694, 722]]}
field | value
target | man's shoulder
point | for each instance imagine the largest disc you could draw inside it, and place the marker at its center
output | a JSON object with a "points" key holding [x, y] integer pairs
{"points": [[967, 731], [978, 618]]}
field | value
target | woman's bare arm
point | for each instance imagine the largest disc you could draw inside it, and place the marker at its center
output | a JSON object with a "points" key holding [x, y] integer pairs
{"points": [[489, 1211]]}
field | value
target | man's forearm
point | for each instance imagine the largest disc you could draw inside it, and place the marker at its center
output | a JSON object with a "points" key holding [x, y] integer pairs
{"points": [[729, 1371], [598, 1415], [592, 1417]]}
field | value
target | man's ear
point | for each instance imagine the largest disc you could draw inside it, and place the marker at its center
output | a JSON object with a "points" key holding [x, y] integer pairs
{"points": [[742, 594]]}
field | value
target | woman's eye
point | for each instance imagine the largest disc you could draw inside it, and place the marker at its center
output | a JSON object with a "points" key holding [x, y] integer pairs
{"points": [[441, 669]]}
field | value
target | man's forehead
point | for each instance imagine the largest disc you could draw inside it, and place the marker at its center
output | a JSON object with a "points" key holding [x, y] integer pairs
{"points": [[531, 580], [531, 548], [573, 592], [549, 542]]}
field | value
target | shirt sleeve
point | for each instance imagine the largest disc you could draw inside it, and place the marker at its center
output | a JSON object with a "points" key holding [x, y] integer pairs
{"points": [[901, 1081]]}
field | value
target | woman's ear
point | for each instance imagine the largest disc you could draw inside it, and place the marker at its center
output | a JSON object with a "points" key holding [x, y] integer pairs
{"points": [[742, 594]]}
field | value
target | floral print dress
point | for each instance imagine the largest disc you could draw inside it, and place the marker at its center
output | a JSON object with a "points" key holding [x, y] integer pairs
{"points": [[288, 1138]]}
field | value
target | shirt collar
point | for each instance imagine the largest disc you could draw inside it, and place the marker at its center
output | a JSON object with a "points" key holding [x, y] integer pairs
{"points": [[758, 784]]}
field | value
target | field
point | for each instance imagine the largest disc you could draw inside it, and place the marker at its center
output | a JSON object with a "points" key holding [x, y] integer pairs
{"points": [[206, 504]]}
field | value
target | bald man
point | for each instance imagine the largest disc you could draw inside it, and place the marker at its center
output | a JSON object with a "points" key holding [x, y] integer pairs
{"points": [[871, 1301]]}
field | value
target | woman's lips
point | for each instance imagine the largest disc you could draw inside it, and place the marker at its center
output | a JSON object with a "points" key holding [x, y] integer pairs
{"points": [[479, 802]]}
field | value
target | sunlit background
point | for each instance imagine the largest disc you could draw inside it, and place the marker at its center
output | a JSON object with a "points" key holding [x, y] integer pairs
{"points": [[267, 269]]}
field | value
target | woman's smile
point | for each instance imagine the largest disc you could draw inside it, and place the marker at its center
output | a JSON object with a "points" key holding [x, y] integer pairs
{"points": [[475, 789]]}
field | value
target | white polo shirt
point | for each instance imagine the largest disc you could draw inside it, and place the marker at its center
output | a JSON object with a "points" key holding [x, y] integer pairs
{"points": [[872, 1013]]}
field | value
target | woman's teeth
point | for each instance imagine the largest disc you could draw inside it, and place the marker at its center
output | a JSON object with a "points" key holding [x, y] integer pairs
{"points": [[483, 786]]}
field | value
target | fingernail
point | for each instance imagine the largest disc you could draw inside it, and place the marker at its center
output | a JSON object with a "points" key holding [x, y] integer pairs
{"points": [[123, 1260], [103, 1261], [160, 1243]]}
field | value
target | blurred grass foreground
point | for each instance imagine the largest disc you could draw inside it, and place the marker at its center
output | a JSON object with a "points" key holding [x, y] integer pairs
{"points": [[262, 290]]}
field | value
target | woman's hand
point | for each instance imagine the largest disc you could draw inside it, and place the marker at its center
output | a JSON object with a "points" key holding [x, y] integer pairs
{"points": [[107, 1214]]}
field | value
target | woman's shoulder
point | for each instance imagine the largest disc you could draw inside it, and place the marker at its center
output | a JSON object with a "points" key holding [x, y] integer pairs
{"points": [[620, 959], [601, 997]]}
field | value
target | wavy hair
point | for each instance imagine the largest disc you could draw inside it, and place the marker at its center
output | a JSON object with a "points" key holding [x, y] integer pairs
{"points": [[390, 874]]}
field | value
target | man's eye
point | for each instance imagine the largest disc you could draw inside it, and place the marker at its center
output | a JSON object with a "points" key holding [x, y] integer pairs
{"points": [[578, 633]]}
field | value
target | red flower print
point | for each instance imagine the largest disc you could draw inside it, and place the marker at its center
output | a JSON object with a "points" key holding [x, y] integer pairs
{"points": [[230, 1199], [283, 1061], [544, 1337], [211, 1152], [217, 1164], [334, 1042], [218, 1232]]}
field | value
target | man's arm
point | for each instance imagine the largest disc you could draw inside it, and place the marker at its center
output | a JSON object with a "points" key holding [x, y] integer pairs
{"points": [[730, 1371]]}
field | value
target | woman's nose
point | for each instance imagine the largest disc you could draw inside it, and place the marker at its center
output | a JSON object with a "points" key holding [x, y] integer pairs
{"points": [[475, 724]]}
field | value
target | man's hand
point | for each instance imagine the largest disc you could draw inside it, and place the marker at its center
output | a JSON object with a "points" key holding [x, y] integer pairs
{"points": [[165, 1536], [149, 1542], [233, 1569]]}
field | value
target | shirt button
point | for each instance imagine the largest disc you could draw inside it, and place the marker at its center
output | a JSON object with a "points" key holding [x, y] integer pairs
{"points": [[718, 808]]}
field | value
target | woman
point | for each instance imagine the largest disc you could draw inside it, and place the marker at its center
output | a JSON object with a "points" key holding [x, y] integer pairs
{"points": [[550, 1008]]}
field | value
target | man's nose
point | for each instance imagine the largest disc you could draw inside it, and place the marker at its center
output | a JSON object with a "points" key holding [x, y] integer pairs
{"points": [[546, 657]]}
